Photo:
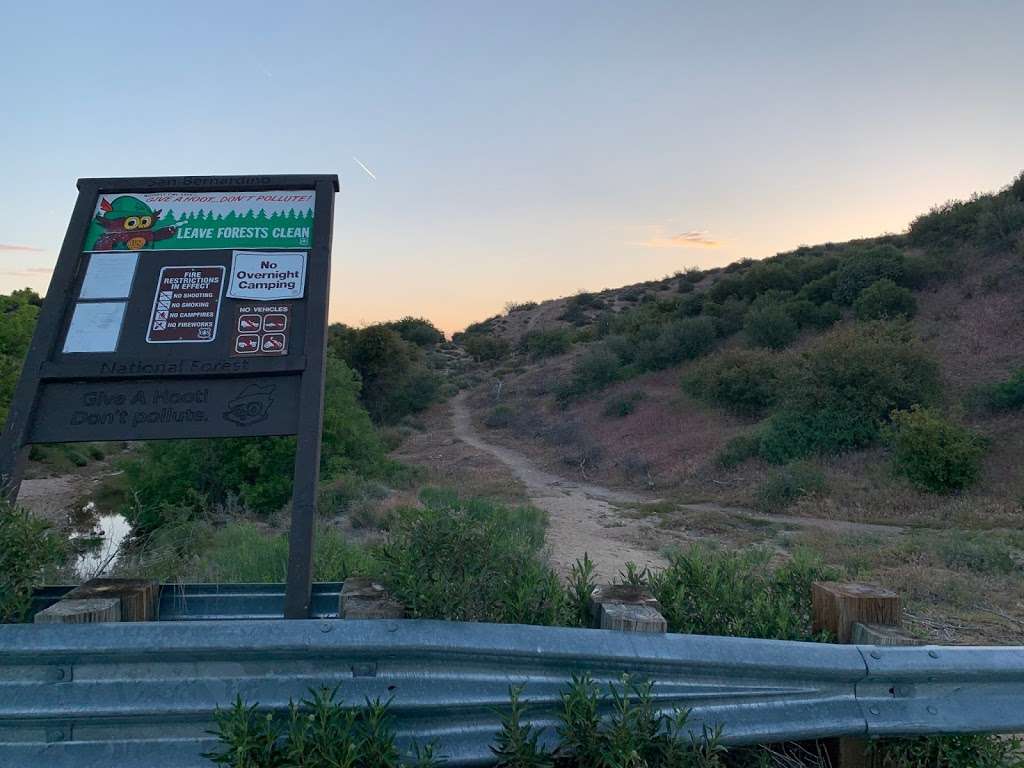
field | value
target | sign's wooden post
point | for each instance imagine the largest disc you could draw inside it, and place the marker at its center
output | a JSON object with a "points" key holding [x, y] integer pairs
{"points": [[187, 307], [298, 590]]}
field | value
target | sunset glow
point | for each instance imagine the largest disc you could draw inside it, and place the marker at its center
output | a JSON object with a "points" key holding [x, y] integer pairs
{"points": [[521, 151]]}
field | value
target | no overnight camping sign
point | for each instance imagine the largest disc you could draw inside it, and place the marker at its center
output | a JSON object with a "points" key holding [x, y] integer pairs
{"points": [[181, 308]]}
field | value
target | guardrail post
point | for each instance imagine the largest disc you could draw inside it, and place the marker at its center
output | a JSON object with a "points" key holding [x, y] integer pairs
{"points": [[88, 611], [139, 597], [858, 614], [625, 608], [837, 606]]}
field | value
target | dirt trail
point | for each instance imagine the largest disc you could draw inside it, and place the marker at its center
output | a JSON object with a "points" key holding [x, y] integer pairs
{"points": [[583, 518]]}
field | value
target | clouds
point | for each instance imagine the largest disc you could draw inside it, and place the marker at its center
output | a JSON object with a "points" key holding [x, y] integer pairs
{"points": [[661, 237], [27, 272], [20, 248]]}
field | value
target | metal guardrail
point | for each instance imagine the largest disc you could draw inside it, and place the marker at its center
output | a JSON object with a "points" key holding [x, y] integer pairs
{"points": [[139, 695], [199, 602]]}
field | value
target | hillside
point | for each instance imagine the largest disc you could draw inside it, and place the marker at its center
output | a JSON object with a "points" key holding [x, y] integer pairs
{"points": [[859, 401], [874, 381]]}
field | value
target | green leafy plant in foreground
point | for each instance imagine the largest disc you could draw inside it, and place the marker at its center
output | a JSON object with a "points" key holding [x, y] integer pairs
{"points": [[29, 549], [472, 560], [319, 733], [969, 750]]}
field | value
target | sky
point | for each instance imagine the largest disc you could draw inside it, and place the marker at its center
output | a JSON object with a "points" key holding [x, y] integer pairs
{"points": [[509, 151]]}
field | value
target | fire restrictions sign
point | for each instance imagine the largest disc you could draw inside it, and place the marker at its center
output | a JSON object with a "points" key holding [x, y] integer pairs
{"points": [[187, 307]]}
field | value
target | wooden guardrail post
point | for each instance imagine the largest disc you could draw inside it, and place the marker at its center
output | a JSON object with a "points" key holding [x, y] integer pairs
{"points": [[87, 611], [625, 608], [139, 597], [859, 614], [105, 600]]}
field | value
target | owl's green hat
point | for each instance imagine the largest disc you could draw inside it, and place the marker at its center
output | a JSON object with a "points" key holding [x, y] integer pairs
{"points": [[123, 206]]}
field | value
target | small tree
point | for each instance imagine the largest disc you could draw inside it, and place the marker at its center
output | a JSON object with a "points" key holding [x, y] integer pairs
{"points": [[770, 326], [884, 300], [933, 453]]}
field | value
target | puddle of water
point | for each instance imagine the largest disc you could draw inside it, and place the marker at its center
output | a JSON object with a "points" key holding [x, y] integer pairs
{"points": [[101, 538]]}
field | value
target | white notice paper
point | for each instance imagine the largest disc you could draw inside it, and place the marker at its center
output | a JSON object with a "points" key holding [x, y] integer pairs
{"points": [[95, 327], [109, 276], [264, 275]]}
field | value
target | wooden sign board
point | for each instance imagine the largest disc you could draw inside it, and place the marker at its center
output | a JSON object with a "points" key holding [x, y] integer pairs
{"points": [[187, 307]]}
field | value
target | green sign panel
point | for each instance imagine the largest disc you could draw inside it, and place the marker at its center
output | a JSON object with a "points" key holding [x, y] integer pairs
{"points": [[174, 221]]}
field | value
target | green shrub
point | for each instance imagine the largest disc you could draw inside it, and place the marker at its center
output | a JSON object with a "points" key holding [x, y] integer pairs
{"points": [[820, 290], [29, 550], [743, 381], [693, 275], [1004, 396], [862, 268], [933, 453], [418, 331], [472, 561], [394, 379], [318, 732], [977, 551], [690, 306], [676, 341], [577, 307], [967, 750], [485, 347], [547, 343], [928, 267], [884, 300], [200, 474], [1000, 222], [770, 326], [845, 387], [738, 450], [952, 223], [621, 406], [520, 306], [826, 315], [516, 744], [635, 732], [728, 315], [499, 417], [787, 485], [706, 591], [18, 313], [593, 371]]}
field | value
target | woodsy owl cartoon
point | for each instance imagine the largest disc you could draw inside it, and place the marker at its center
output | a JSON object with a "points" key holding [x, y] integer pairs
{"points": [[128, 224]]}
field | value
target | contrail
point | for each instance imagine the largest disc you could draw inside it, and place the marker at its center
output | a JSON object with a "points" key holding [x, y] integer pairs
{"points": [[368, 171]]}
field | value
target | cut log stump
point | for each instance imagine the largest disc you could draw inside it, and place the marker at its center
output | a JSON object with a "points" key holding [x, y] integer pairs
{"points": [[88, 611], [139, 597], [837, 606], [625, 608]]}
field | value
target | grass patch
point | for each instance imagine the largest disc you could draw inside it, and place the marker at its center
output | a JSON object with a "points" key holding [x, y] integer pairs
{"points": [[787, 485], [712, 592]]}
